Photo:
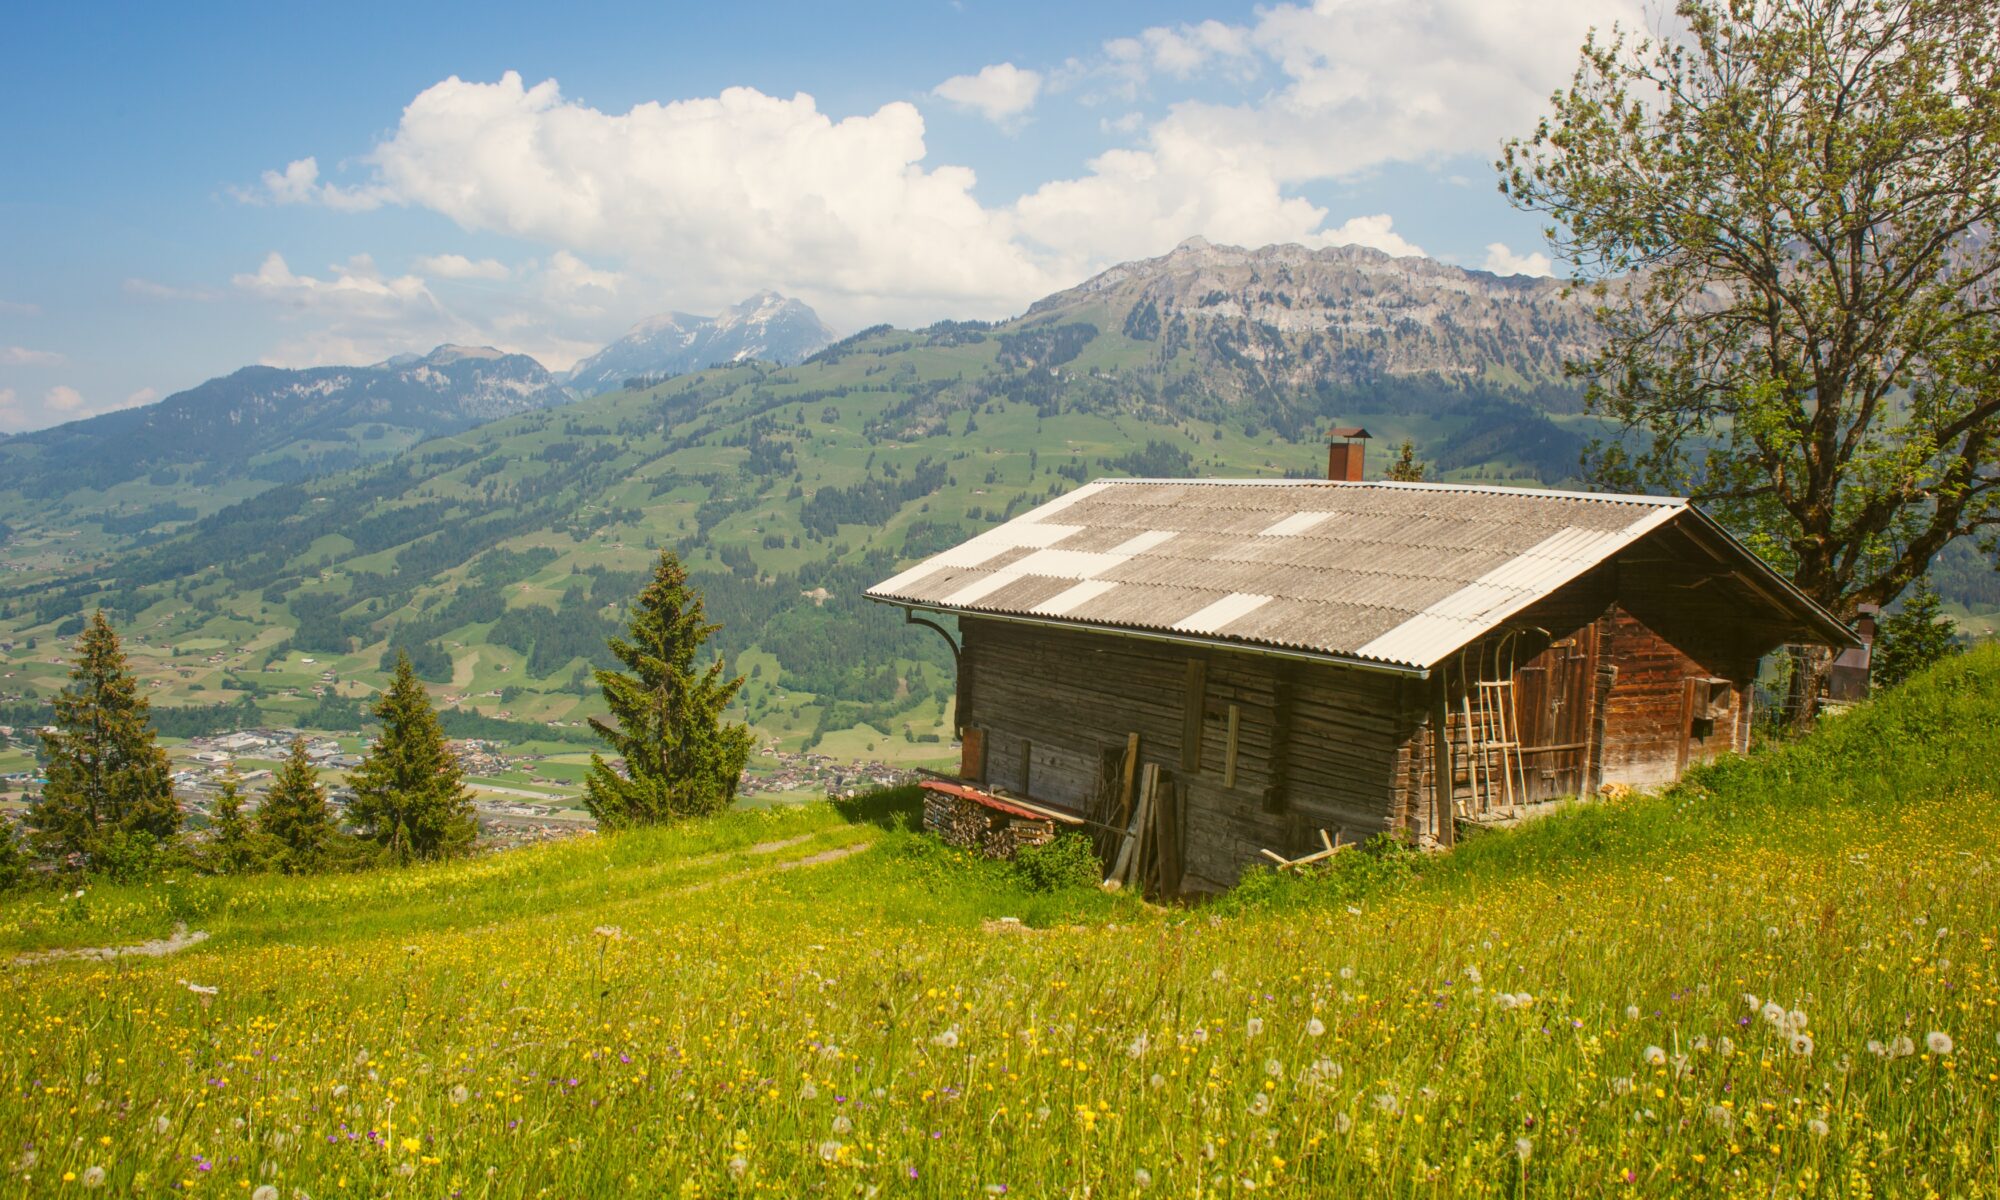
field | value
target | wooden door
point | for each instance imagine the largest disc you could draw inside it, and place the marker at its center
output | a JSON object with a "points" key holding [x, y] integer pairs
{"points": [[1553, 696]]}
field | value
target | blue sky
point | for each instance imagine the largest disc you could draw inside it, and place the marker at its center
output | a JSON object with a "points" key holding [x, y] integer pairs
{"points": [[189, 189]]}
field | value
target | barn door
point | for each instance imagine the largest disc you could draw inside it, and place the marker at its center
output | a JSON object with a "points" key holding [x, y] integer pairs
{"points": [[1553, 693]]}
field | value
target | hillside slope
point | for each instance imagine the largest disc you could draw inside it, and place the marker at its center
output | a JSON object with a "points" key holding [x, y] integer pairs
{"points": [[817, 999], [144, 469]]}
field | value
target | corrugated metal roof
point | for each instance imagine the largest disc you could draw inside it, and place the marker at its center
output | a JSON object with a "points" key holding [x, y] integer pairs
{"points": [[1400, 574]]}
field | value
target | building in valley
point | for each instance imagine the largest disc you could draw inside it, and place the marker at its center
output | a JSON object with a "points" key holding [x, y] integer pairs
{"points": [[1292, 656]]}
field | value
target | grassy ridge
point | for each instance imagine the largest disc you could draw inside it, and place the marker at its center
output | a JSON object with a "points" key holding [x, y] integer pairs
{"points": [[1557, 1010]]}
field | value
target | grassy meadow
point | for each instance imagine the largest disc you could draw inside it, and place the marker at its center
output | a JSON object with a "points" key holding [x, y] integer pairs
{"points": [[1778, 979]]}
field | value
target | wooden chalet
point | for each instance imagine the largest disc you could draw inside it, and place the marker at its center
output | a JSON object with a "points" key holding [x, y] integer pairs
{"points": [[1279, 658]]}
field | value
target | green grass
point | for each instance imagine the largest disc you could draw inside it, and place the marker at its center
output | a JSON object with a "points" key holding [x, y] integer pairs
{"points": [[671, 1011]]}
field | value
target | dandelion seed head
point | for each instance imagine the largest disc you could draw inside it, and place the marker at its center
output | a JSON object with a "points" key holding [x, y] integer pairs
{"points": [[1938, 1043]]}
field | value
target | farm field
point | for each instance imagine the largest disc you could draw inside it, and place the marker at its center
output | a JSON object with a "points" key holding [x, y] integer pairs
{"points": [[1777, 979]]}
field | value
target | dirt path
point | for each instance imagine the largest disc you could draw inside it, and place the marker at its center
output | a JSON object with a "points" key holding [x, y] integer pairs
{"points": [[824, 856], [176, 942]]}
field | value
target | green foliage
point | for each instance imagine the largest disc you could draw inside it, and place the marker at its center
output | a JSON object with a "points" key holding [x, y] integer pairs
{"points": [[105, 773], [1066, 861], [1804, 197], [295, 814], [1381, 866], [1407, 468], [127, 856], [13, 859], [1913, 637], [680, 758], [409, 793], [230, 842]]}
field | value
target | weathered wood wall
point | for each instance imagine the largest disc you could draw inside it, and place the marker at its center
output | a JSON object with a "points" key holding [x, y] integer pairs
{"points": [[1315, 747], [1624, 676]]}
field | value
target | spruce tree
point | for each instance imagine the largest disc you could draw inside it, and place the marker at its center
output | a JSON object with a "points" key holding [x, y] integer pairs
{"points": [[1913, 637], [409, 794], [1407, 468], [13, 864], [681, 760], [232, 832], [106, 775], [295, 812]]}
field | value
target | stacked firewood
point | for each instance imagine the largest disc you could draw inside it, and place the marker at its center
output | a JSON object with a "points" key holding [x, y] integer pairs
{"points": [[1016, 834]]}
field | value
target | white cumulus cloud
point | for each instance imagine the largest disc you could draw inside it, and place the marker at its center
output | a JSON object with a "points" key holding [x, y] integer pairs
{"points": [[1502, 261], [997, 92], [62, 398], [458, 266], [21, 356]]}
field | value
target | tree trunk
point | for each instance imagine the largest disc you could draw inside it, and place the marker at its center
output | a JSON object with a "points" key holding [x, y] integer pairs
{"points": [[1810, 667]]}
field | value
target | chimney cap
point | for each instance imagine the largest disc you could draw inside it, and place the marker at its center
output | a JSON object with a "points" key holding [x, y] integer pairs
{"points": [[1348, 431]]}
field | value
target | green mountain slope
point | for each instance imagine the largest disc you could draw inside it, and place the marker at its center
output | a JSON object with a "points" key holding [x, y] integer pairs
{"points": [[500, 555], [95, 486]]}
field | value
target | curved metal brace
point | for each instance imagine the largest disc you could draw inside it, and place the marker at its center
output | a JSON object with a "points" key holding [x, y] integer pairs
{"points": [[910, 617], [960, 684]]}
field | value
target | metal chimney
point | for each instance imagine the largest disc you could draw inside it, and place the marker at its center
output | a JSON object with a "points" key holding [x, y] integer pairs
{"points": [[1344, 457]]}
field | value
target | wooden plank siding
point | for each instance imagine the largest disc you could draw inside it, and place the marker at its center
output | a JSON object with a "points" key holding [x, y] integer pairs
{"points": [[1315, 747], [1611, 672]]}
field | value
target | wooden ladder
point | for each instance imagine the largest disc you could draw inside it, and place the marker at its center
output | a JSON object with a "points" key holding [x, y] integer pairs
{"points": [[1491, 719]]}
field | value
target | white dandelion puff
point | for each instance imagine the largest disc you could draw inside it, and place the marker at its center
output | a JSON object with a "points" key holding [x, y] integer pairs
{"points": [[1523, 1148], [1315, 1027], [842, 1125], [1260, 1104], [1938, 1043], [738, 1165], [1655, 1056], [1802, 1045], [93, 1177], [828, 1151], [266, 1192], [1631, 1012], [1142, 1179], [1253, 1027], [1816, 1127], [947, 1039]]}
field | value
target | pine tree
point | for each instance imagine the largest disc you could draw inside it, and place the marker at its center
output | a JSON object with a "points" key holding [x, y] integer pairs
{"points": [[409, 794], [295, 812], [232, 832], [106, 775], [13, 864], [1406, 468], [1913, 637], [681, 760]]}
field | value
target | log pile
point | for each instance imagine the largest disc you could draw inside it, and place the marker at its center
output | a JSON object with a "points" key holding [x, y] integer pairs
{"points": [[966, 823]]}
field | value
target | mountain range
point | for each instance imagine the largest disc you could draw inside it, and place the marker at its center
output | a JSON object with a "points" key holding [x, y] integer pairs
{"points": [[767, 326]]}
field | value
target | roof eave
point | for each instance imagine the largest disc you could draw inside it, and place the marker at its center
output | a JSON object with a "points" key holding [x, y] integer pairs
{"points": [[1166, 637], [1840, 635]]}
